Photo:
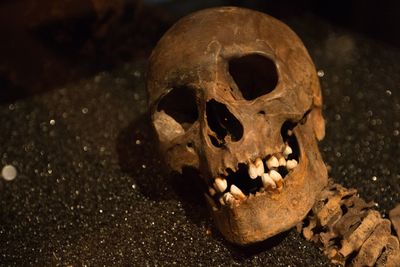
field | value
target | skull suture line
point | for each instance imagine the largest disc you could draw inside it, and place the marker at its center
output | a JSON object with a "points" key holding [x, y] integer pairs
{"points": [[235, 95]]}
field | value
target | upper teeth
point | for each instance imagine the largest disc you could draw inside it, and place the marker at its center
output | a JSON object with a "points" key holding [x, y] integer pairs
{"points": [[270, 177], [260, 166], [288, 150], [272, 162], [256, 169], [220, 184]]}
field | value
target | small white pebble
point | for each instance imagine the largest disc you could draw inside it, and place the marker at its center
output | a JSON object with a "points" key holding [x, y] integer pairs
{"points": [[9, 172], [320, 73]]}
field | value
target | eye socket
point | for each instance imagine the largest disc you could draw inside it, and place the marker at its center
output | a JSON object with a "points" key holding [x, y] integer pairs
{"points": [[180, 104], [255, 75]]}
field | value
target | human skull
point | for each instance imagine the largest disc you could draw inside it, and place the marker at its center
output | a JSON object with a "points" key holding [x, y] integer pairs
{"points": [[234, 94]]}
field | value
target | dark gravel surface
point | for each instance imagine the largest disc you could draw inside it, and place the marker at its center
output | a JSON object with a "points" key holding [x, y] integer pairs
{"points": [[91, 189]]}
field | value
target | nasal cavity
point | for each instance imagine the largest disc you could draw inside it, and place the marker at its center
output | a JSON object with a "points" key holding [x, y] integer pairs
{"points": [[223, 123], [255, 75]]}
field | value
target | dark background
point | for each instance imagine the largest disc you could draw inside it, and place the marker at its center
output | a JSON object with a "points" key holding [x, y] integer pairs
{"points": [[91, 188]]}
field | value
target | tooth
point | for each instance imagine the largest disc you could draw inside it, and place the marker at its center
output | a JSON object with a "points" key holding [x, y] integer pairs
{"points": [[267, 181], [237, 193], [220, 184], [260, 166], [291, 164], [282, 161], [253, 172], [276, 176], [211, 202], [288, 150], [227, 198], [211, 191], [272, 162]]}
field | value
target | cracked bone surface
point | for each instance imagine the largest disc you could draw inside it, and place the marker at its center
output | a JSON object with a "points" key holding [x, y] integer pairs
{"points": [[224, 101]]}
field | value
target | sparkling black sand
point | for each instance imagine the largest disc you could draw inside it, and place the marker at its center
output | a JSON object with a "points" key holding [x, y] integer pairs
{"points": [[92, 191]]}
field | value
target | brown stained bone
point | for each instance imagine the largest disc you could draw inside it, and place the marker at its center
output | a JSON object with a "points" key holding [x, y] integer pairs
{"points": [[349, 231], [394, 216], [222, 82]]}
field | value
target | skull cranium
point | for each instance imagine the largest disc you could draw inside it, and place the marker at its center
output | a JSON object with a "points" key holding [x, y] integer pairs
{"points": [[234, 94]]}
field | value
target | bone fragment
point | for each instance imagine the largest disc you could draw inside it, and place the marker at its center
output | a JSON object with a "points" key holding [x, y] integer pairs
{"points": [[391, 255], [372, 247], [394, 216], [357, 238], [349, 231]]}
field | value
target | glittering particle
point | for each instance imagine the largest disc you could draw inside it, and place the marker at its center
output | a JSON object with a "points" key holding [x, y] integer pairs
{"points": [[9, 172], [388, 92], [144, 166], [374, 178], [85, 110], [52, 122], [100, 211], [396, 132], [138, 142], [321, 73]]}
